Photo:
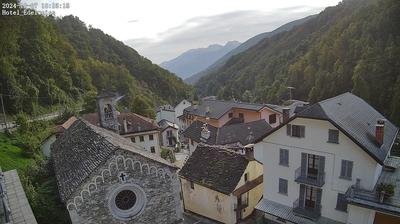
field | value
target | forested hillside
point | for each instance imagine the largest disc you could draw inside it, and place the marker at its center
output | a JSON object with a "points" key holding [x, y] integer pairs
{"points": [[243, 47], [46, 61], [354, 46]]}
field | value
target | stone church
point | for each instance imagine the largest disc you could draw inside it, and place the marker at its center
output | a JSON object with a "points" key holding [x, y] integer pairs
{"points": [[104, 178]]}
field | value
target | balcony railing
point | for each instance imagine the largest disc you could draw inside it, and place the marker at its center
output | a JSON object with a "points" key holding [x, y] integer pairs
{"points": [[304, 178], [309, 212]]}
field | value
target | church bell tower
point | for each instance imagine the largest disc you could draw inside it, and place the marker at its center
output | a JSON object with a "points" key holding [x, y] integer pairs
{"points": [[106, 102]]}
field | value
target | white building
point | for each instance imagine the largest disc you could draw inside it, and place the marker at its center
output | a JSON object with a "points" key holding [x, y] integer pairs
{"points": [[318, 164], [166, 112], [181, 106], [169, 133], [171, 113]]}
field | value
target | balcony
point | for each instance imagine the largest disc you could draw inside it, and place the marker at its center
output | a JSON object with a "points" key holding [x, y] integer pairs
{"points": [[308, 212], [317, 179]]}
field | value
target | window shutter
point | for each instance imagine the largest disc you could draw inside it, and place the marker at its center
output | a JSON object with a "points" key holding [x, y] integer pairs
{"points": [[302, 131], [343, 169], [319, 196], [281, 156], [303, 163], [289, 129], [321, 165], [287, 157], [285, 186], [349, 168], [302, 195], [341, 203]]}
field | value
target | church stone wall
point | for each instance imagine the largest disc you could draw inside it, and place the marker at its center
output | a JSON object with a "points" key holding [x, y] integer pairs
{"points": [[159, 182]]}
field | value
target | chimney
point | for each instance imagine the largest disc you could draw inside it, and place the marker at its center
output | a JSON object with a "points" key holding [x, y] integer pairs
{"points": [[125, 125], [205, 133], [380, 131], [249, 151], [207, 109], [285, 114]]}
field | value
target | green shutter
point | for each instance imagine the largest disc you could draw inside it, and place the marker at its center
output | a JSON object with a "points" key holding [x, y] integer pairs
{"points": [[289, 129]]}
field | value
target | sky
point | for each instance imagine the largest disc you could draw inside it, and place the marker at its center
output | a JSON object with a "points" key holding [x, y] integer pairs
{"points": [[162, 29]]}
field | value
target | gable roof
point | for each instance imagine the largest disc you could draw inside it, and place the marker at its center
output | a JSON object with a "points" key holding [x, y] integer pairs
{"points": [[219, 107], [82, 148], [215, 167], [136, 123], [355, 118], [244, 133], [166, 124]]}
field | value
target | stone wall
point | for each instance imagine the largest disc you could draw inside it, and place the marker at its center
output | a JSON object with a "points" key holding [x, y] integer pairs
{"points": [[159, 182]]}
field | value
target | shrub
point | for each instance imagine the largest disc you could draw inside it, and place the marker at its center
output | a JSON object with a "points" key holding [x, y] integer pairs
{"points": [[388, 188]]}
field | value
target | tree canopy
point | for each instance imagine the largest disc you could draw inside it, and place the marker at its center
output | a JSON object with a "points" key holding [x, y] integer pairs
{"points": [[46, 61]]}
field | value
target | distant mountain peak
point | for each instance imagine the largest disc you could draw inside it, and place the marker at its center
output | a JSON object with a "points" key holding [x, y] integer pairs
{"points": [[196, 60]]}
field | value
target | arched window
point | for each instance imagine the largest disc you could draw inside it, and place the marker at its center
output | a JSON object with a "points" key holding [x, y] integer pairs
{"points": [[108, 113]]}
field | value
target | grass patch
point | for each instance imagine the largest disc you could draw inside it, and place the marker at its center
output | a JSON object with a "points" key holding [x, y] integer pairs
{"points": [[12, 156]]}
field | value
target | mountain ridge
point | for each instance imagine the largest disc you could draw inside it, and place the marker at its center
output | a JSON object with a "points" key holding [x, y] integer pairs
{"points": [[195, 60], [244, 46]]}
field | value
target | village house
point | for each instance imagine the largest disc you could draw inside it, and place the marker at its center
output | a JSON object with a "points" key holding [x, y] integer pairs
{"points": [[221, 183], [244, 133], [142, 131], [179, 108], [166, 112], [105, 178], [55, 133], [169, 133], [219, 113], [14, 206], [327, 164], [172, 113]]}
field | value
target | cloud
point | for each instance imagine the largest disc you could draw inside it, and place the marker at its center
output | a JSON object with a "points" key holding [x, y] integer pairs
{"points": [[218, 29]]}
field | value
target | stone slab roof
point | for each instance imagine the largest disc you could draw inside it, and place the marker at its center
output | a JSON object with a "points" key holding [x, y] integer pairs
{"points": [[215, 167], [218, 108], [82, 148], [355, 118], [135, 122], [21, 212], [244, 133], [194, 132]]}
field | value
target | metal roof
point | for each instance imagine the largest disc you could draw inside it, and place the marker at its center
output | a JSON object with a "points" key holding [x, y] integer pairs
{"points": [[355, 118]]}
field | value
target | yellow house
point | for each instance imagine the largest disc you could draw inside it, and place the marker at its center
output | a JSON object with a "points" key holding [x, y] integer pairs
{"points": [[221, 183]]}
